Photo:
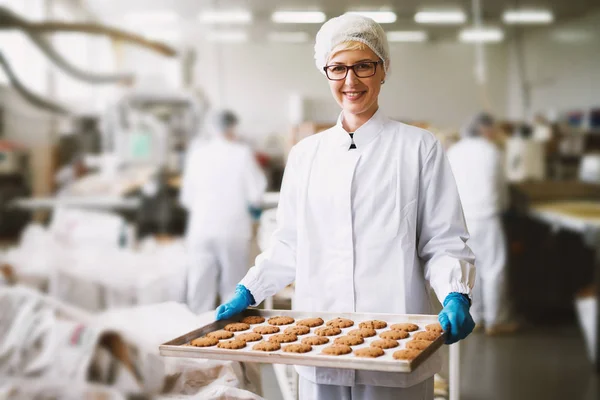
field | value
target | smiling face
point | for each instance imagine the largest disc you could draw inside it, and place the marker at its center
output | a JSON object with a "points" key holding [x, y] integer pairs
{"points": [[357, 96]]}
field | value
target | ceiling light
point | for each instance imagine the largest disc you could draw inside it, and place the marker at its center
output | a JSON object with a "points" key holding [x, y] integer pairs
{"points": [[381, 17], [226, 17], [298, 17], [227, 36], [151, 17], [488, 35], [407, 36], [528, 17], [288, 37], [440, 17]]}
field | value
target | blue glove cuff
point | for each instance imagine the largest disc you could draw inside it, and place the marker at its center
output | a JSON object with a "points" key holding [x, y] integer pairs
{"points": [[243, 291], [456, 296]]}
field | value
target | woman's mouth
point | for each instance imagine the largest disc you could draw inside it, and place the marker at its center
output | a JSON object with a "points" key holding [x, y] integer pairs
{"points": [[353, 96]]}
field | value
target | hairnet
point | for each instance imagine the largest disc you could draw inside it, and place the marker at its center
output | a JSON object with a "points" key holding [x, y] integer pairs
{"points": [[351, 28], [472, 128], [224, 120]]}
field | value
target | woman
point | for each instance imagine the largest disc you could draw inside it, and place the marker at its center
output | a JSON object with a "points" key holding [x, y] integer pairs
{"points": [[369, 219]]}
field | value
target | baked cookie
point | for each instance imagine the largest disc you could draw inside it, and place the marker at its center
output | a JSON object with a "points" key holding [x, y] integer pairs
{"points": [[408, 327], [253, 319], [350, 340], [384, 343], [340, 323], [297, 348], [370, 352], [283, 338], [375, 324], [363, 332], [310, 322], [328, 331], [406, 354], [394, 335], [297, 330], [337, 350], [237, 327], [220, 334], [232, 344], [249, 337], [418, 344], [281, 320], [430, 336], [204, 342], [434, 328], [266, 346], [266, 329], [315, 340]]}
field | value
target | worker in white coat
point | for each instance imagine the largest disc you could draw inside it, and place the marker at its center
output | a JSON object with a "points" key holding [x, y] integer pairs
{"points": [[369, 219], [222, 182], [479, 172]]}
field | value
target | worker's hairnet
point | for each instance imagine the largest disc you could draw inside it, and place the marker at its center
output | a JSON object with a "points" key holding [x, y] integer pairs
{"points": [[350, 28], [473, 127], [224, 120]]}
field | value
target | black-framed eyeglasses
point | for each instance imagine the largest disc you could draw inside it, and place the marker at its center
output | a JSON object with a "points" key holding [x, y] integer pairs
{"points": [[363, 69]]}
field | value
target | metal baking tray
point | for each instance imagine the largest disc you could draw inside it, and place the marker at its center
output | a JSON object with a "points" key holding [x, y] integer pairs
{"points": [[178, 347]]}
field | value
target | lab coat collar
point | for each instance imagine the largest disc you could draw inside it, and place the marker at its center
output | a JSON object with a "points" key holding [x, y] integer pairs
{"points": [[363, 135]]}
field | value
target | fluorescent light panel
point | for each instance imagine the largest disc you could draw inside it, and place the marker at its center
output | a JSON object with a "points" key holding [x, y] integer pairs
{"points": [[440, 17], [381, 17], [226, 17], [227, 36], [298, 17], [288, 37], [152, 17], [487, 35], [528, 17], [407, 36]]}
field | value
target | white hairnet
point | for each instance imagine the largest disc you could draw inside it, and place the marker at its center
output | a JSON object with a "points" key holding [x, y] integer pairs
{"points": [[351, 28], [223, 120], [473, 126]]}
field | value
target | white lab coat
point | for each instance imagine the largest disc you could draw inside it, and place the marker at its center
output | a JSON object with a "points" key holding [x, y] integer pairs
{"points": [[478, 168], [367, 230], [221, 179]]}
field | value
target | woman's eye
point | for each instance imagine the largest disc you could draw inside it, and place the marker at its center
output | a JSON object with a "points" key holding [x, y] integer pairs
{"points": [[338, 68], [363, 67]]}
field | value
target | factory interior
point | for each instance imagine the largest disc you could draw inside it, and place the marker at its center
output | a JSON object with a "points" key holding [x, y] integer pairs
{"points": [[148, 148]]}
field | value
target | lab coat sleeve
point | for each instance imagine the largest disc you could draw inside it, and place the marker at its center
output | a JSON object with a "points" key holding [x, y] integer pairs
{"points": [[442, 233], [187, 181], [255, 181], [275, 268]]}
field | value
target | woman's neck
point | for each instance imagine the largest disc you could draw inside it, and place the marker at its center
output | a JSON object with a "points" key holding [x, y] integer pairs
{"points": [[351, 122]]}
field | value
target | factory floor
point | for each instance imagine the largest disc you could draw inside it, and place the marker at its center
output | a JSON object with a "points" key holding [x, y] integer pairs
{"points": [[539, 364]]}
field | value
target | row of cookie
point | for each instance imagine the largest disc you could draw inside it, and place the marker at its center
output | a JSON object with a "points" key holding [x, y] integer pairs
{"points": [[314, 322]]}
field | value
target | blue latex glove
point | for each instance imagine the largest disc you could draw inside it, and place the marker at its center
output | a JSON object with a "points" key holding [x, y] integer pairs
{"points": [[255, 212], [455, 318], [240, 301]]}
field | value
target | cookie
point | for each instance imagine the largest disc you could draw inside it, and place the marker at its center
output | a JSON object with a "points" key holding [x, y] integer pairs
{"points": [[204, 342], [220, 334], [406, 354], [363, 332], [384, 343], [370, 352], [328, 331], [253, 320], [434, 328], [232, 344], [297, 330], [249, 337], [408, 327], [430, 336], [337, 350], [394, 335], [315, 340], [350, 340], [266, 346], [375, 324], [418, 344], [266, 329], [283, 338], [237, 327], [310, 322], [340, 323], [297, 348], [281, 320]]}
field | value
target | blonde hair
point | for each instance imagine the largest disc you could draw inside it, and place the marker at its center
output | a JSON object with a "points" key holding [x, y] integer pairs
{"points": [[347, 46]]}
